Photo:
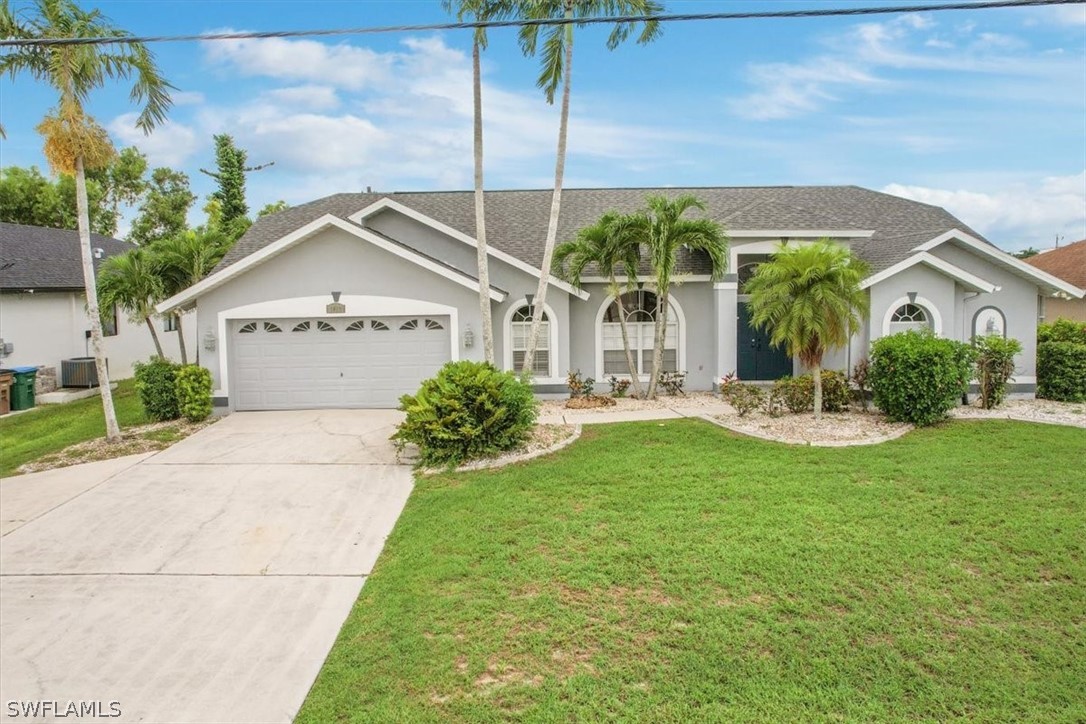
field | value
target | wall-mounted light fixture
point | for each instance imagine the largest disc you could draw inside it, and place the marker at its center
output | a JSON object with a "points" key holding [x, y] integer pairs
{"points": [[209, 341], [335, 296], [469, 337], [912, 297]]}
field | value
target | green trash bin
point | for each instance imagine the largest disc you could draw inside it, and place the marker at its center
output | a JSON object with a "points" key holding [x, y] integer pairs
{"points": [[22, 388]]}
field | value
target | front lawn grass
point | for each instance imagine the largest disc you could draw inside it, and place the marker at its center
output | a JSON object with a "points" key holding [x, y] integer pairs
{"points": [[49, 430], [674, 571]]}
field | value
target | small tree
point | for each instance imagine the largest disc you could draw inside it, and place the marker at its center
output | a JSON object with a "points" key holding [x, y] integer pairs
{"points": [[129, 281], [995, 365], [182, 260], [607, 244], [662, 230], [809, 298], [165, 208], [229, 174]]}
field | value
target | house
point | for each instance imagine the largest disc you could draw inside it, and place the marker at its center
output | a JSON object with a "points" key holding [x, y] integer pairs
{"points": [[352, 300], [1069, 264], [43, 309]]}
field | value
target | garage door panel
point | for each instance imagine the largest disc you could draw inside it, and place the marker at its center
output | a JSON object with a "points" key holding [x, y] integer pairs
{"points": [[343, 362]]}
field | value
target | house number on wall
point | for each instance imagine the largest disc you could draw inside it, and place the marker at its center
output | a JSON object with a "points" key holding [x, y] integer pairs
{"points": [[336, 308]]}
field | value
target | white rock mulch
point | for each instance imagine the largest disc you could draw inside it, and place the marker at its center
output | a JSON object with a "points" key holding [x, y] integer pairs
{"points": [[689, 401], [833, 430], [544, 440], [1047, 411]]}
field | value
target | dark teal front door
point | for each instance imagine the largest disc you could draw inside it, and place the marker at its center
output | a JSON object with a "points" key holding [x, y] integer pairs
{"points": [[757, 358]]}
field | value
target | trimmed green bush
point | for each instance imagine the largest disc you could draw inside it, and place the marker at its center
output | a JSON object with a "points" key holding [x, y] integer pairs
{"points": [[156, 388], [468, 411], [917, 377], [745, 398], [1062, 330], [798, 392], [995, 365], [193, 385], [1061, 371]]}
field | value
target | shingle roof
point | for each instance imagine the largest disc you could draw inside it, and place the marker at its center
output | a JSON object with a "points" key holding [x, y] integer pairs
{"points": [[1067, 262], [34, 257], [517, 220]]}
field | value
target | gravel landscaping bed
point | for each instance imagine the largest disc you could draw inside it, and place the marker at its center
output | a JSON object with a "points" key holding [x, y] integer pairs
{"points": [[134, 440], [1060, 413], [544, 439], [690, 400], [845, 428]]}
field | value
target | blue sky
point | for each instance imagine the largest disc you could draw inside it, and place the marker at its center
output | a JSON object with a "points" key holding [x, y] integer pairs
{"points": [[983, 112]]}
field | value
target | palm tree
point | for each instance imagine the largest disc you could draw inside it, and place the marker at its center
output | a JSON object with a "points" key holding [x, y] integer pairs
{"points": [[663, 231], [74, 142], [182, 260], [809, 298], [129, 282], [608, 244], [480, 10], [557, 67]]}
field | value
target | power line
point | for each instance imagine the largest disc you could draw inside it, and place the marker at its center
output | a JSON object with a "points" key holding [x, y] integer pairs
{"points": [[472, 25]]}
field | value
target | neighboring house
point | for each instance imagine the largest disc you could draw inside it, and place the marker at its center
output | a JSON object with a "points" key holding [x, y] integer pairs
{"points": [[1069, 264], [43, 310], [351, 300]]}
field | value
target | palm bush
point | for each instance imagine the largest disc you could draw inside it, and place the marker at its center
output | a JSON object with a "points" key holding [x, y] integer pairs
{"points": [[809, 298], [469, 410]]}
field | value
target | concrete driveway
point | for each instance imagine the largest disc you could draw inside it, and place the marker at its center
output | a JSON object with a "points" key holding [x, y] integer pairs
{"points": [[205, 583]]}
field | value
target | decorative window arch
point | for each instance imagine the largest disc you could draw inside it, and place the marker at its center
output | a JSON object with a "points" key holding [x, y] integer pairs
{"points": [[912, 313], [409, 325], [640, 309], [301, 327], [356, 326], [989, 321], [272, 327], [518, 325], [247, 328], [323, 326]]}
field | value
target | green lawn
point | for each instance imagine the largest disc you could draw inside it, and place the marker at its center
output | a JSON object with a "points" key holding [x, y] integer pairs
{"points": [[674, 572], [50, 429]]}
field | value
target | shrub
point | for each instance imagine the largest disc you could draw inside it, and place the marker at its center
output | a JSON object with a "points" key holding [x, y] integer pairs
{"points": [[917, 377], [861, 378], [743, 397], [468, 410], [1061, 371], [193, 386], [672, 382], [797, 393], [618, 386], [578, 386], [1061, 361], [1062, 330], [773, 403], [156, 389], [995, 365]]}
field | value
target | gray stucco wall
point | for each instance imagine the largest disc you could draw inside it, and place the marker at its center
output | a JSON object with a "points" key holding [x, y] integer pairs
{"points": [[1017, 299], [696, 301]]}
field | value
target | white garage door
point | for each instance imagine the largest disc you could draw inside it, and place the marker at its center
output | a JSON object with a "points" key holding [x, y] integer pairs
{"points": [[292, 364]]}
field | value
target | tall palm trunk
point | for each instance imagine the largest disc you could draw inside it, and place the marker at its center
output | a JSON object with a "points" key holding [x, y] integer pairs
{"points": [[816, 373], [556, 202], [154, 336], [635, 378], [663, 294], [113, 430], [480, 212], [181, 339]]}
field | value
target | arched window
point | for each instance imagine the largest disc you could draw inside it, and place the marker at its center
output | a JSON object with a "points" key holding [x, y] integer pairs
{"points": [[640, 309], [520, 327], [909, 316]]}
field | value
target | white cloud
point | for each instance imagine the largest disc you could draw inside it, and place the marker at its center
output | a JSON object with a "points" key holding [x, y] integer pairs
{"points": [[788, 89], [344, 66], [311, 97], [187, 98], [170, 144], [1068, 14], [1018, 215]]}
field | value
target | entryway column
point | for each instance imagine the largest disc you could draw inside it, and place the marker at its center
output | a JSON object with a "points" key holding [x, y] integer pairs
{"points": [[725, 296]]}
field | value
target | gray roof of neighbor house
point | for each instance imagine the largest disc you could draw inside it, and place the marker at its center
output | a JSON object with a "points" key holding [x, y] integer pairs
{"points": [[517, 220], [34, 257]]}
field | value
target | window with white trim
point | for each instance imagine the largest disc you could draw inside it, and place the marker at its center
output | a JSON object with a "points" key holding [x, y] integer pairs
{"points": [[520, 329], [910, 316], [639, 309], [169, 323]]}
